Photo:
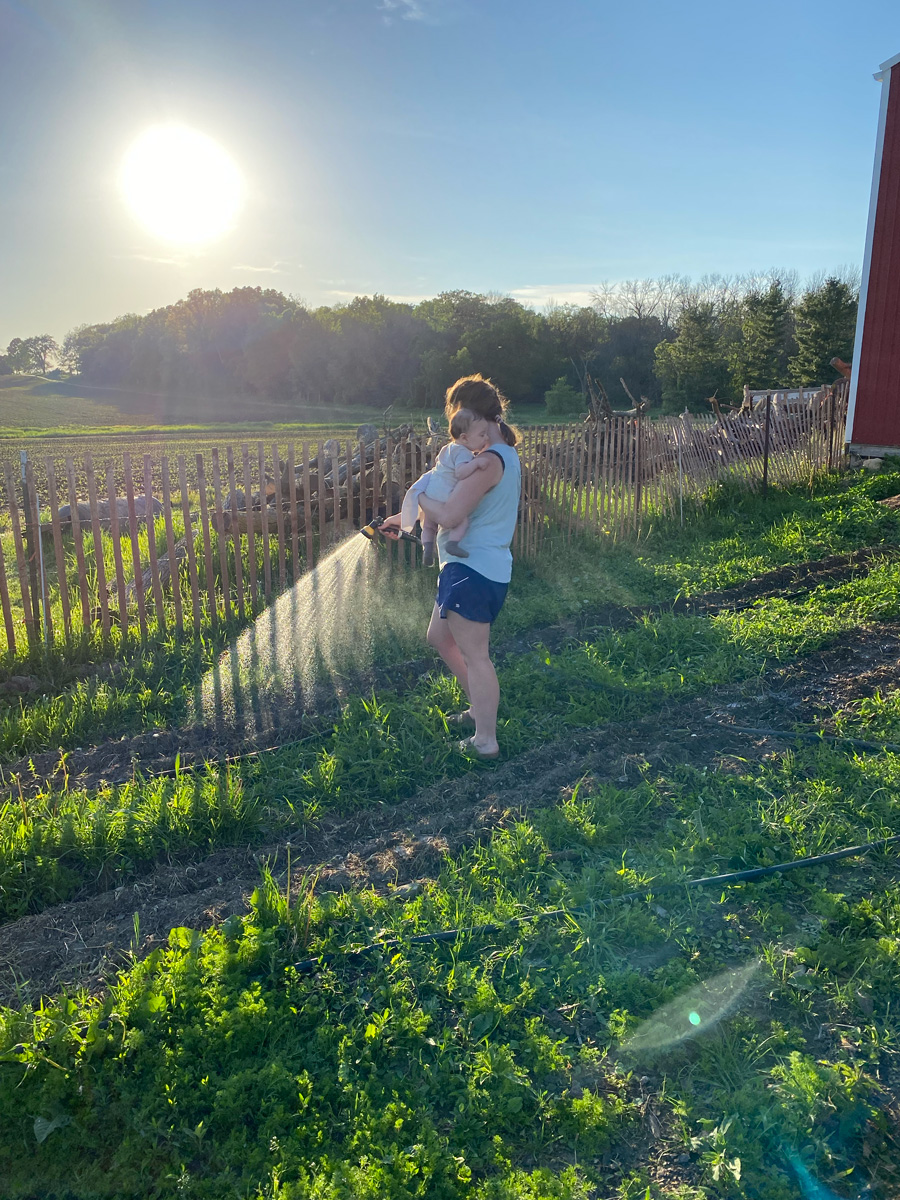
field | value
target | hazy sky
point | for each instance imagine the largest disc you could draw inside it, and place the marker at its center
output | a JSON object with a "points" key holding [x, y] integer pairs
{"points": [[414, 146]]}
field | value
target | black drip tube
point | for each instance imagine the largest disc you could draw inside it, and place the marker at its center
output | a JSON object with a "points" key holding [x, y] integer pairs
{"points": [[443, 936]]}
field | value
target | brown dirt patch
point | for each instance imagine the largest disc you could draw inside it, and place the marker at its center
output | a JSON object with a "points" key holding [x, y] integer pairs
{"points": [[811, 690]]}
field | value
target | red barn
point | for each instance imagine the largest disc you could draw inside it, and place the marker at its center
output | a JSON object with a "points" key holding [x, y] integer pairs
{"points": [[873, 418]]}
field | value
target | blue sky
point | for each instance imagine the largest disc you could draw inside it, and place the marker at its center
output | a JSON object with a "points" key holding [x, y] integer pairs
{"points": [[414, 146]]}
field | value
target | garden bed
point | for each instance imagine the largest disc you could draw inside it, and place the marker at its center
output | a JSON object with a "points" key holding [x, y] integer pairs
{"points": [[500, 1066]]}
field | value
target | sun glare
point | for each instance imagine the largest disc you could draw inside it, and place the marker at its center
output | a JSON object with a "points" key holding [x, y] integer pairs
{"points": [[181, 185]]}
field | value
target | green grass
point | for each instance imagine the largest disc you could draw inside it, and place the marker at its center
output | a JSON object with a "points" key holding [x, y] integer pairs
{"points": [[382, 748], [492, 1068], [495, 1068], [35, 410]]}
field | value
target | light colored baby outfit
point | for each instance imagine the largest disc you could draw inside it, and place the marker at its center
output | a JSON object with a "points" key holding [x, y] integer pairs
{"points": [[437, 484]]}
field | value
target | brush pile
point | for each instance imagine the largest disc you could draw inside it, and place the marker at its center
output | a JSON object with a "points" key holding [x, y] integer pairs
{"points": [[350, 482]]}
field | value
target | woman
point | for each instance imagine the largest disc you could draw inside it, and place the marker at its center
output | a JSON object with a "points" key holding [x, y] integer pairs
{"points": [[471, 590]]}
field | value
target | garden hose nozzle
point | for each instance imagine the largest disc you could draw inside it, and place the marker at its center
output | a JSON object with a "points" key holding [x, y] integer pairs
{"points": [[373, 529]]}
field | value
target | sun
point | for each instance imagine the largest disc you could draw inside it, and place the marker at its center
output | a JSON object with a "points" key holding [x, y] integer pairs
{"points": [[181, 185]]}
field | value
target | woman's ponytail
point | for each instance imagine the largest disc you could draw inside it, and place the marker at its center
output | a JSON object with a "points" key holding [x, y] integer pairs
{"points": [[510, 433]]}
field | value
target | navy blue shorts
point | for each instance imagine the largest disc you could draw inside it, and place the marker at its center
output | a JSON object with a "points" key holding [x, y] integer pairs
{"points": [[462, 590]]}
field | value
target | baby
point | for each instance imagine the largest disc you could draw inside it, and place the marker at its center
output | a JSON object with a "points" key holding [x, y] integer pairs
{"points": [[455, 461]]}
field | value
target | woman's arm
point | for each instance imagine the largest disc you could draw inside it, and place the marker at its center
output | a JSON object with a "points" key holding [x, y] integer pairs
{"points": [[465, 496]]}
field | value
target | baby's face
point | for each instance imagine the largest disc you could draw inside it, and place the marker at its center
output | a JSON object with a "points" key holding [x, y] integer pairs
{"points": [[476, 436]]}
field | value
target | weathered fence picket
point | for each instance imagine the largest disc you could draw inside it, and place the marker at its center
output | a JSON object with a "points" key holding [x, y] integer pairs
{"points": [[221, 539], [121, 593], [59, 553], [150, 519], [79, 547], [189, 538], [279, 515], [251, 533], [7, 607], [171, 551], [264, 523], [207, 543], [99, 562]]}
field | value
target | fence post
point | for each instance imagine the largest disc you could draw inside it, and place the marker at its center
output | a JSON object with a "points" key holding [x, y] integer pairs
{"points": [[58, 549], [678, 431], [765, 478], [21, 562], [832, 405], [7, 607], [34, 550], [638, 471]]}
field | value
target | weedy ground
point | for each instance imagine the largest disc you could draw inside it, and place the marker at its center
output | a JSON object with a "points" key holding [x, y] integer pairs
{"points": [[739, 1041]]}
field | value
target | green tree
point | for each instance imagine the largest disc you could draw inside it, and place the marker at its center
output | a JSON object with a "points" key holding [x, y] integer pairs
{"points": [[694, 366], [18, 356], [825, 328], [40, 349], [759, 356], [627, 352], [562, 398], [577, 333], [505, 341]]}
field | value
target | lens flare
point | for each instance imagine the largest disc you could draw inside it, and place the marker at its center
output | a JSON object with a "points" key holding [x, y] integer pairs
{"points": [[694, 1012], [181, 185], [809, 1185]]}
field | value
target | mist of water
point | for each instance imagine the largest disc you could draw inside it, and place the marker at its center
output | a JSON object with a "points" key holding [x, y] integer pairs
{"points": [[317, 641]]}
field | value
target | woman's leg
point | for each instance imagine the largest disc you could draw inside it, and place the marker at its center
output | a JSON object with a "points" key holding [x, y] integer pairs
{"points": [[473, 639], [441, 638]]}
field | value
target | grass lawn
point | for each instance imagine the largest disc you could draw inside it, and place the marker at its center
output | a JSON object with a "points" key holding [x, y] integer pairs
{"points": [[740, 1041], [36, 413]]}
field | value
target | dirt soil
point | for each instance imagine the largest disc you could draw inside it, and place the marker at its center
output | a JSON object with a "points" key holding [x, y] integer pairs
{"points": [[83, 942]]}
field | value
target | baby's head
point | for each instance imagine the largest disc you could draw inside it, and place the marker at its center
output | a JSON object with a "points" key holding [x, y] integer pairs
{"points": [[469, 430]]}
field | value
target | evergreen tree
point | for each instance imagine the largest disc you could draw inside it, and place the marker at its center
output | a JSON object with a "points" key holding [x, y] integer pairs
{"points": [[826, 324], [694, 366], [760, 355]]}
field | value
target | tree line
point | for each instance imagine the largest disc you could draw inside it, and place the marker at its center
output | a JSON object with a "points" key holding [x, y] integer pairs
{"points": [[673, 341]]}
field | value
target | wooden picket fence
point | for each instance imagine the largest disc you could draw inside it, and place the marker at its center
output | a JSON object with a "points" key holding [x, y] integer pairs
{"points": [[614, 476], [194, 545], [188, 544]]}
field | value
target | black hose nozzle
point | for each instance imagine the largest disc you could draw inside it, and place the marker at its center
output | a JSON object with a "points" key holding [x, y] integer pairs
{"points": [[374, 528]]}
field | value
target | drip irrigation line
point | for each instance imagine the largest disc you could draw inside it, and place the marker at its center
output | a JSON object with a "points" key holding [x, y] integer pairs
{"points": [[803, 736], [443, 936]]}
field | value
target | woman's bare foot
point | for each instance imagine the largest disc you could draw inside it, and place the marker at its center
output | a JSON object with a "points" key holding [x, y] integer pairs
{"points": [[481, 750]]}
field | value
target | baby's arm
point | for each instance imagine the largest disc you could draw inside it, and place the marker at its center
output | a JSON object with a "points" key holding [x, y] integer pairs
{"points": [[464, 470]]}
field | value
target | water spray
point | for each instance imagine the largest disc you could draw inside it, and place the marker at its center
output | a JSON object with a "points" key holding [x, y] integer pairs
{"points": [[373, 531]]}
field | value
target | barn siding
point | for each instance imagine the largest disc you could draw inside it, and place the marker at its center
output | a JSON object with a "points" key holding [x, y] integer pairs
{"points": [[876, 413]]}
